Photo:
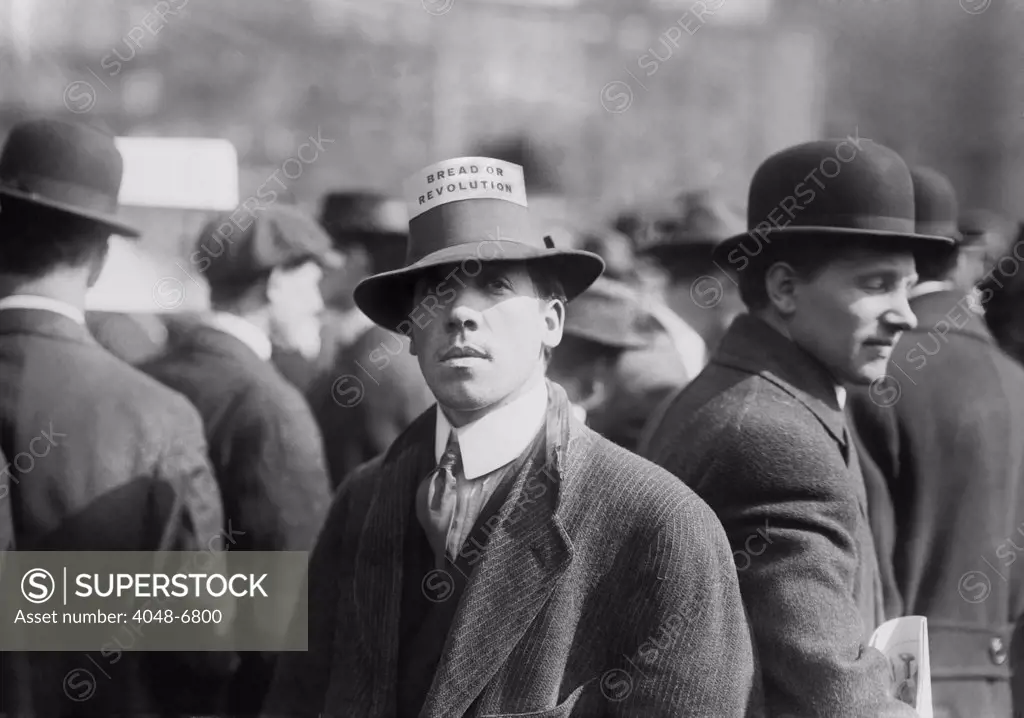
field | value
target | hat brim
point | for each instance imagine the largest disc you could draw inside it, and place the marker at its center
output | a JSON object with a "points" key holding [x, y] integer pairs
{"points": [[630, 340], [912, 240], [387, 298], [104, 220]]}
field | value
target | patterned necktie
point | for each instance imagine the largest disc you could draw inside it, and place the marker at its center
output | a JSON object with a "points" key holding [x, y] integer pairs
{"points": [[438, 500]]}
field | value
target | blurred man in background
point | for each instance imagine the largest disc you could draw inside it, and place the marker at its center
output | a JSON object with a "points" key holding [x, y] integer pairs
{"points": [[369, 387], [600, 325], [698, 291], [267, 452], [945, 428], [646, 374], [103, 457]]}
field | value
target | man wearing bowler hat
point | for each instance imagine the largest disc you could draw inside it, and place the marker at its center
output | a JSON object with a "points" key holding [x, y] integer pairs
{"points": [[102, 458], [501, 558], [761, 434], [369, 387], [945, 427]]}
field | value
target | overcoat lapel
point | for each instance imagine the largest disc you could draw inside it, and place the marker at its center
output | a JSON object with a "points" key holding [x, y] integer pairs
{"points": [[379, 563], [520, 567]]}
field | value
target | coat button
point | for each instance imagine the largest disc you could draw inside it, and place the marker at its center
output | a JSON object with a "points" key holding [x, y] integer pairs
{"points": [[997, 651]]}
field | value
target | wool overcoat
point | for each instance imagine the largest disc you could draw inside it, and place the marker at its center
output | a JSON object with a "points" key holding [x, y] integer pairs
{"points": [[947, 430], [607, 589], [101, 458], [760, 436]]}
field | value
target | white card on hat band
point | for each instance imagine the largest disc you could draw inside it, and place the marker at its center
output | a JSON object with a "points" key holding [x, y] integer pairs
{"points": [[464, 178]]}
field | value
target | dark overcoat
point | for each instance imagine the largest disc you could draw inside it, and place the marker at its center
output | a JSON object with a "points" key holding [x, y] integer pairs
{"points": [[102, 458], [133, 338], [606, 589], [266, 451], [371, 394], [760, 436], [267, 455], [947, 429]]}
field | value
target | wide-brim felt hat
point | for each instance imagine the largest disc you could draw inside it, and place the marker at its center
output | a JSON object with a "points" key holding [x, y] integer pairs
{"points": [[830, 191], [608, 313], [363, 215], [704, 221], [65, 167], [464, 212]]}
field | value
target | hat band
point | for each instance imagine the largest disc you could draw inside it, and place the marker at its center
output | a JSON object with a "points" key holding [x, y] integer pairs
{"points": [[870, 222], [69, 193]]}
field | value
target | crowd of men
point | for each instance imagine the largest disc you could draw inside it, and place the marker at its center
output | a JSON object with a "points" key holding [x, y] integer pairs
{"points": [[530, 476]]}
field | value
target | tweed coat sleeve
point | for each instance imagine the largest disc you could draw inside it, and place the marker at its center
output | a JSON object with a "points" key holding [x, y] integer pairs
{"points": [[791, 513], [280, 464], [695, 656]]}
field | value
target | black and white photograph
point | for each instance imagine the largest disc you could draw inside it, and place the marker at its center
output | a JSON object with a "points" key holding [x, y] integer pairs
{"points": [[511, 358]]}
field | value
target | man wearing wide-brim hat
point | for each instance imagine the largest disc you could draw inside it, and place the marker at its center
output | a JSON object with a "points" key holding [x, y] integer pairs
{"points": [[698, 291], [370, 230], [601, 324], [501, 558], [100, 454], [761, 435], [949, 448]]}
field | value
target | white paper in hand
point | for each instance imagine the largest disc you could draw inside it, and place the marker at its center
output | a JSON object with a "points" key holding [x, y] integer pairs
{"points": [[904, 641]]}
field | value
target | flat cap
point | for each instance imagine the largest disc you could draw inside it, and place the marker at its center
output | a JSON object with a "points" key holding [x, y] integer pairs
{"points": [[231, 252]]}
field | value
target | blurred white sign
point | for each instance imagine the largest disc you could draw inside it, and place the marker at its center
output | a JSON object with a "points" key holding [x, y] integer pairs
{"points": [[182, 172], [136, 282]]}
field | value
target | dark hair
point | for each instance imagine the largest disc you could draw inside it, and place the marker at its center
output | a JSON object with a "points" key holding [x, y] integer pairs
{"points": [[546, 283], [35, 241], [808, 256], [937, 264], [548, 287]]}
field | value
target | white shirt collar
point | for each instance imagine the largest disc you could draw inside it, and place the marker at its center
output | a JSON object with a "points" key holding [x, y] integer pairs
{"points": [[494, 440], [47, 304], [244, 331], [841, 397], [929, 287]]}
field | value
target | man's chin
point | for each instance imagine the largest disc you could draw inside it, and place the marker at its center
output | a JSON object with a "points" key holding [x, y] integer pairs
{"points": [[865, 374]]}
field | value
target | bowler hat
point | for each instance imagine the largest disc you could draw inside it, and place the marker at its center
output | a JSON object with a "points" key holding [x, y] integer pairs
{"points": [[706, 222], [65, 167], [828, 191], [234, 251], [982, 225], [935, 205], [608, 313], [354, 215], [465, 211]]}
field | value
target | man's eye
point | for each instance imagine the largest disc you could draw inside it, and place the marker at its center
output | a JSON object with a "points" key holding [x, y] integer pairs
{"points": [[498, 283], [875, 284]]}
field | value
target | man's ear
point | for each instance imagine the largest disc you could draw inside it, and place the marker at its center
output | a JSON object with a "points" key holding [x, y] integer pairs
{"points": [[781, 285], [553, 316]]}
